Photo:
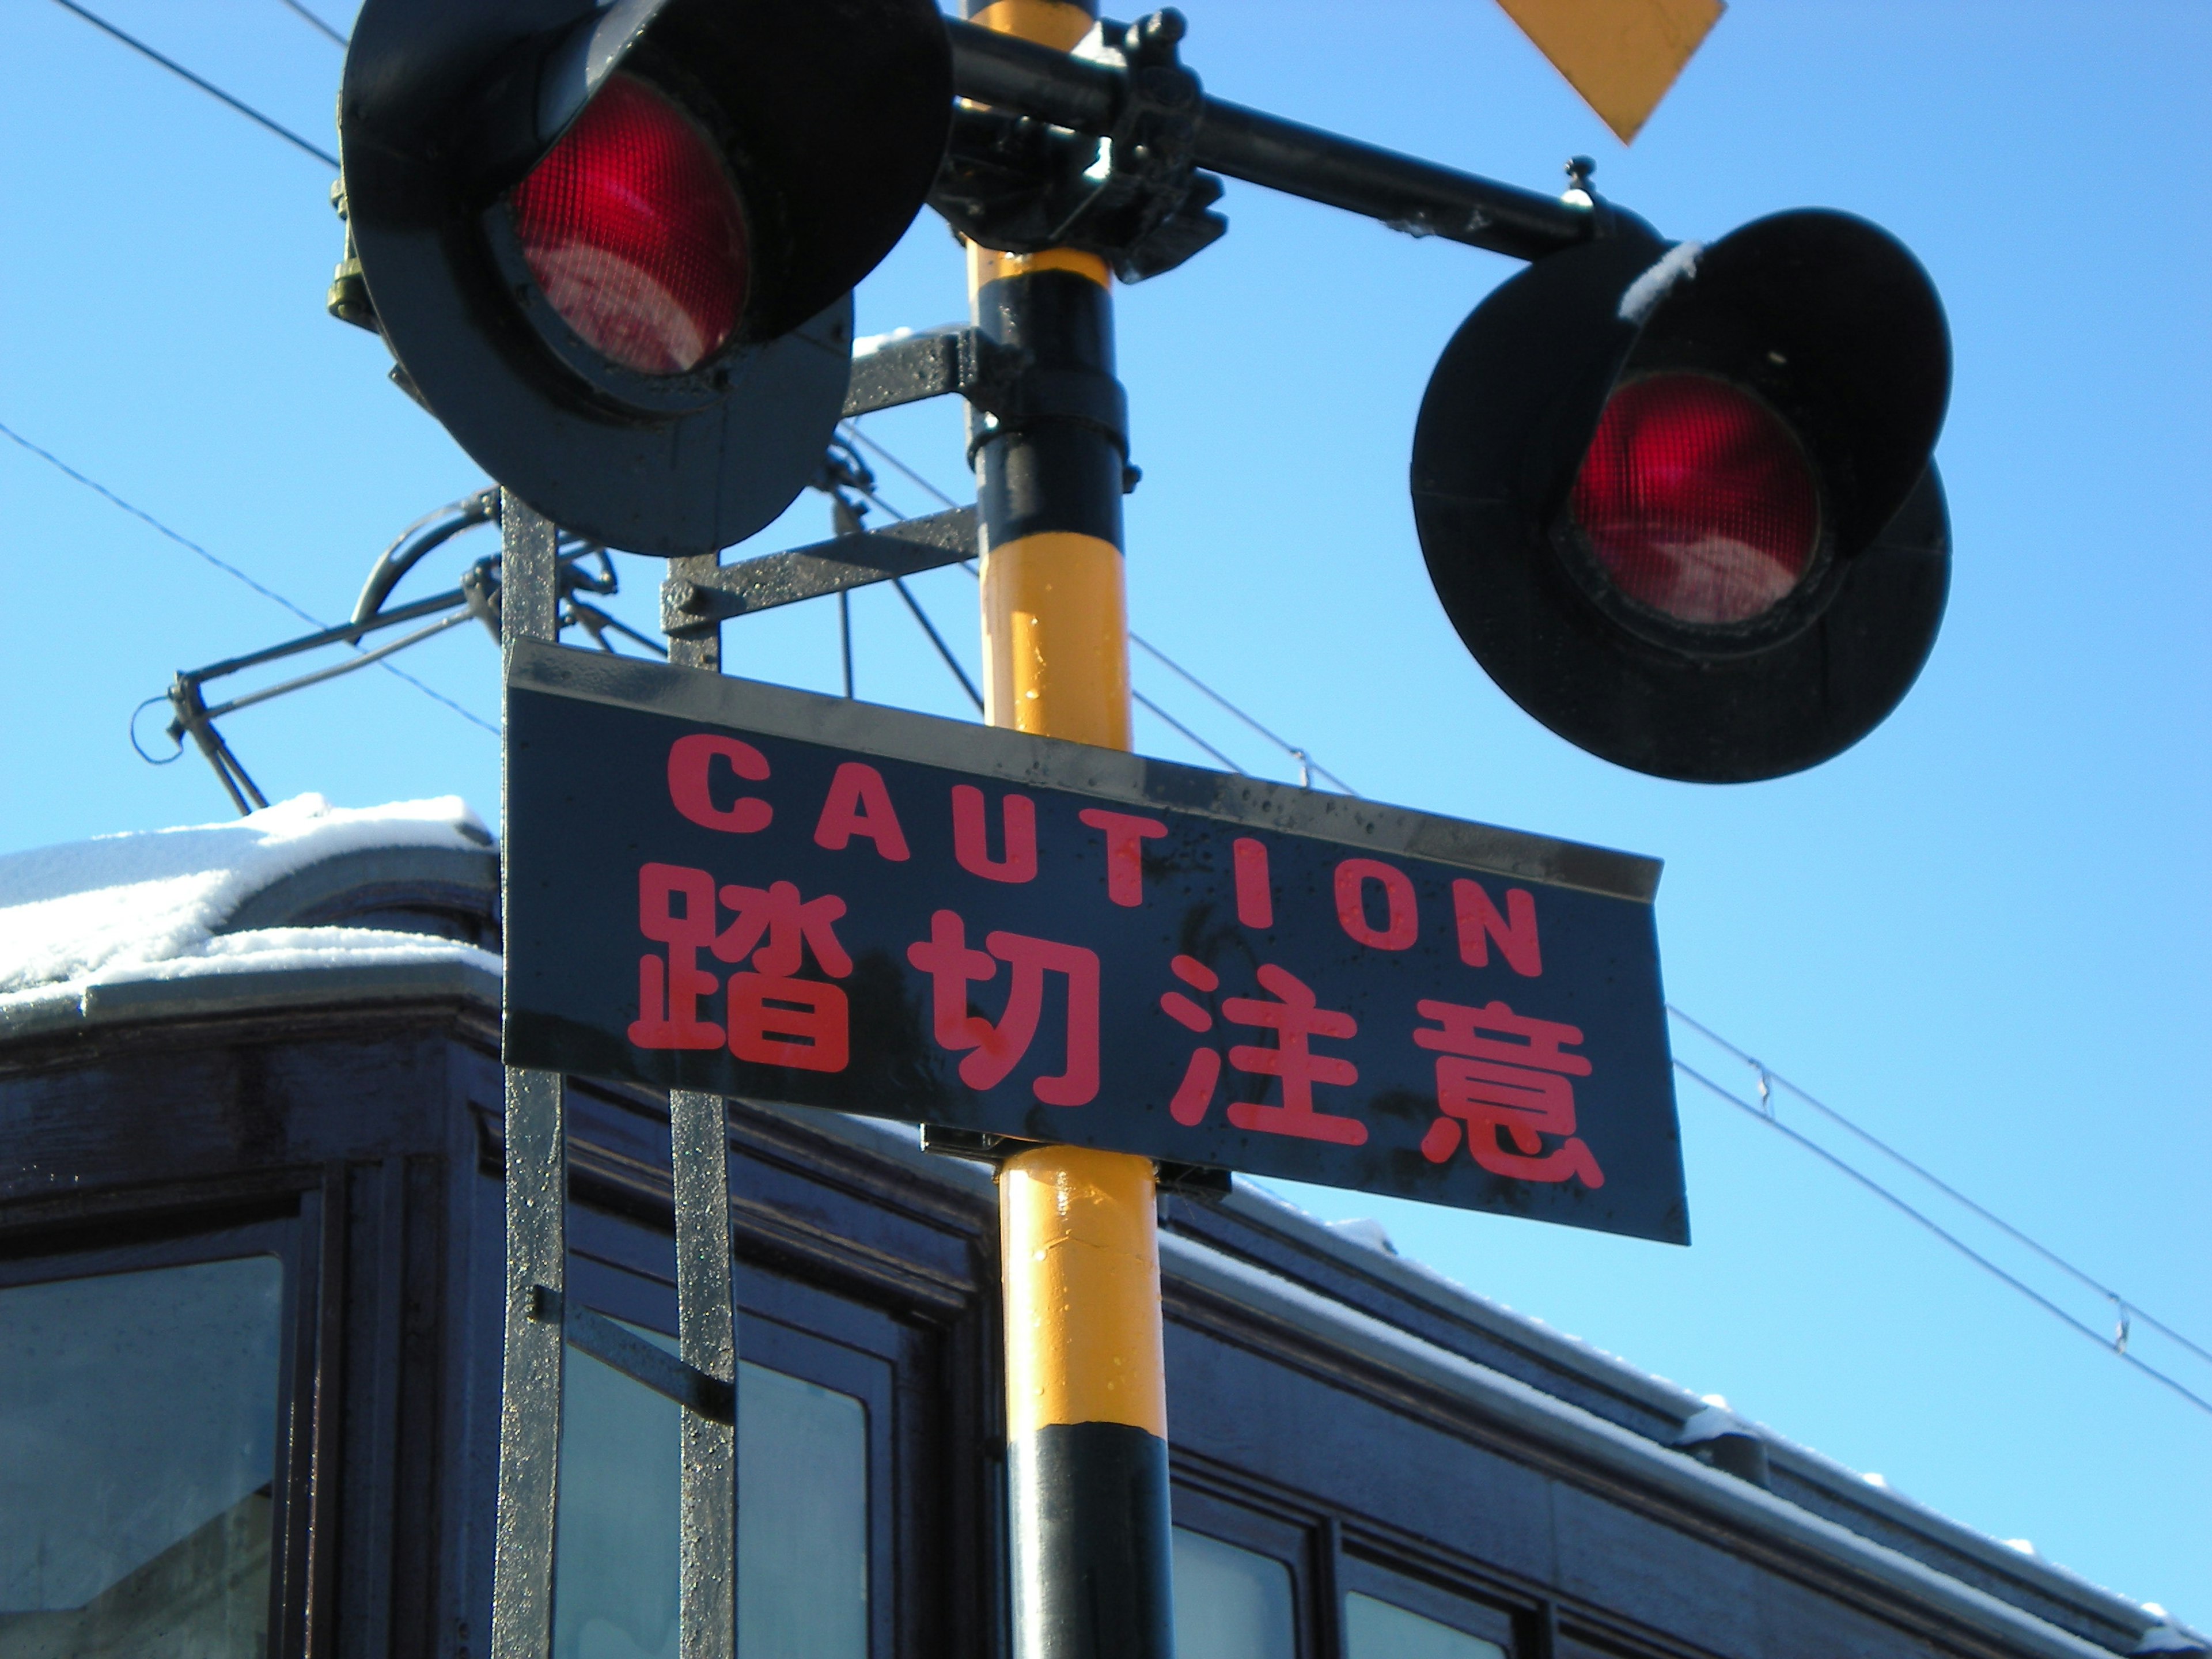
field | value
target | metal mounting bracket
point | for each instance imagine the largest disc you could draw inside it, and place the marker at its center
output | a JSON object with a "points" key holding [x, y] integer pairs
{"points": [[1131, 195], [1001, 381], [905, 549], [635, 1357], [1203, 1181], [908, 369]]}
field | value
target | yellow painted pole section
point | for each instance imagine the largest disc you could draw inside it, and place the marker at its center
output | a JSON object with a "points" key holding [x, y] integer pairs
{"points": [[1083, 1290], [1052, 23], [1079, 1232]]}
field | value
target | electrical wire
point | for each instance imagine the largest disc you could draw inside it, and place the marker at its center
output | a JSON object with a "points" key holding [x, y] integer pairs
{"points": [[1942, 1233], [1305, 761], [316, 23], [853, 430], [2130, 1312], [1182, 730], [227, 568], [937, 639], [207, 86]]}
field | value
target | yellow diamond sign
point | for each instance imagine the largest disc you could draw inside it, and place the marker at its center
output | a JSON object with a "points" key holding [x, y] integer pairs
{"points": [[1621, 55]]}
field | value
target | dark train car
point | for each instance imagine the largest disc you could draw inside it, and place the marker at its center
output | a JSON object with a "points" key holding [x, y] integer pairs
{"points": [[251, 1271]]}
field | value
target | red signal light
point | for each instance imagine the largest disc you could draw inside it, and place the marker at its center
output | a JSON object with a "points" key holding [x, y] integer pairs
{"points": [[634, 232], [1697, 501]]}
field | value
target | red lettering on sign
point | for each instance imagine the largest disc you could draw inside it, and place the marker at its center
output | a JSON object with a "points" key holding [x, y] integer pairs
{"points": [[1179, 1008], [1517, 1089], [777, 914], [971, 835], [1194, 1095], [690, 787], [777, 1021], [998, 1049], [1514, 930], [859, 805], [1125, 835], [952, 966], [669, 989], [1403, 921], [1296, 1019], [1255, 896]]}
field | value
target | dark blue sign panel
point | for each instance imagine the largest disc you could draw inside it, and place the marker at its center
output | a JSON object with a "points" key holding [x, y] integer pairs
{"points": [[745, 890]]}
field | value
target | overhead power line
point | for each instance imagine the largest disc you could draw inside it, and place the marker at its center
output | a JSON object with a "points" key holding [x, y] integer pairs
{"points": [[316, 23], [2130, 1313], [207, 86], [227, 568], [1763, 1110]]}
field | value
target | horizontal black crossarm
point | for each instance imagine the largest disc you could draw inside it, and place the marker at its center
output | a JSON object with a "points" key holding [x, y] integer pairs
{"points": [[889, 372], [904, 549], [637, 1358], [1402, 190]]}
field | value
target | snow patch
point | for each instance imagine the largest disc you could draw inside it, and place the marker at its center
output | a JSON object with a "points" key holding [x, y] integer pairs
{"points": [[146, 905], [2167, 1637], [868, 343], [1364, 1231], [1714, 1423], [1678, 263]]}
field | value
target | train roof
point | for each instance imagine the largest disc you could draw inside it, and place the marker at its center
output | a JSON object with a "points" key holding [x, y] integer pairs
{"points": [[306, 906]]}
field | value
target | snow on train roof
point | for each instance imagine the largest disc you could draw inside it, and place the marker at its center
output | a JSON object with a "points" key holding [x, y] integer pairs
{"points": [[156, 904]]}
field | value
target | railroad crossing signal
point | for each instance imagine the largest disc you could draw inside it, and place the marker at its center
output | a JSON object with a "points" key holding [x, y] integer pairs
{"points": [[1679, 503]]}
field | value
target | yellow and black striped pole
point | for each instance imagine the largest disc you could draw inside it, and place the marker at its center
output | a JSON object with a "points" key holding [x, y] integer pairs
{"points": [[1086, 1397]]}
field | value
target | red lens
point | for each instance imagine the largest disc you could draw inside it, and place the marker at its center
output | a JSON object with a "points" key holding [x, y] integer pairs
{"points": [[1696, 499], [631, 225]]}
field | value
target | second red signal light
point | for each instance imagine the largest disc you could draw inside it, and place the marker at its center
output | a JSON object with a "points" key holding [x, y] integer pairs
{"points": [[1679, 503], [1696, 501]]}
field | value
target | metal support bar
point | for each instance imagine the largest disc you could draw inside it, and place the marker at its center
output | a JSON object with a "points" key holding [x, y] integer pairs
{"points": [[625, 1350], [706, 1321], [698, 599], [706, 1304], [1401, 190], [536, 1222]]}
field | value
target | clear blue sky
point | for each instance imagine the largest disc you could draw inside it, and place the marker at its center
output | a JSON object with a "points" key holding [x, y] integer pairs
{"points": [[1982, 933]]}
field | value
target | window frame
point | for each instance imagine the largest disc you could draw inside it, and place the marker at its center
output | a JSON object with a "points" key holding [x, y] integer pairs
{"points": [[624, 1269], [1296, 1544], [1457, 1607], [301, 1378]]}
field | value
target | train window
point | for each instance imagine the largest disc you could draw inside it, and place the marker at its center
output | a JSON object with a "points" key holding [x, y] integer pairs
{"points": [[1230, 1603], [802, 1523], [1376, 1629], [138, 1424]]}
